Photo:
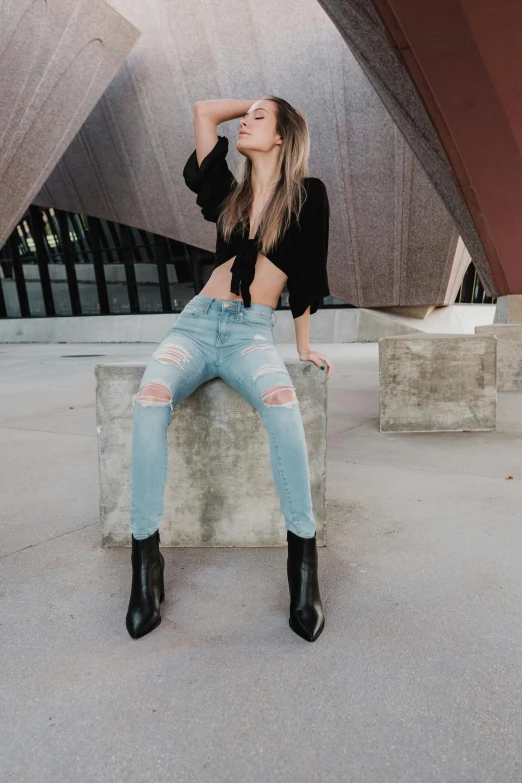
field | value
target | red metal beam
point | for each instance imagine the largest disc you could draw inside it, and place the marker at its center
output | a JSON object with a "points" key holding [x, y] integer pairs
{"points": [[465, 57]]}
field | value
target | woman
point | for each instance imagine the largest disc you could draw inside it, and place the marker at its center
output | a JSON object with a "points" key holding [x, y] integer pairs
{"points": [[272, 229]]}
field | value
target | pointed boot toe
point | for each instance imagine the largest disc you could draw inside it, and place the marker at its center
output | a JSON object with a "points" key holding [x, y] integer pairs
{"points": [[148, 589], [307, 625], [140, 623]]}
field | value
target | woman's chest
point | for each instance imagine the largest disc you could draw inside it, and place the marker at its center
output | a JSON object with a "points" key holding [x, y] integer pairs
{"points": [[281, 258]]}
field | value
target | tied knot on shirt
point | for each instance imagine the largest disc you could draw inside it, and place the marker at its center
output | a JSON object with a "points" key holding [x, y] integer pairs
{"points": [[244, 269]]}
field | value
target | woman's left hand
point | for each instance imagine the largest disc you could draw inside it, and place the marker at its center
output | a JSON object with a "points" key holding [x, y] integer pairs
{"points": [[319, 359]]}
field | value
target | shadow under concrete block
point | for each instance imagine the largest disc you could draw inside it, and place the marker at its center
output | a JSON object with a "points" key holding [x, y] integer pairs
{"points": [[437, 383], [219, 488]]}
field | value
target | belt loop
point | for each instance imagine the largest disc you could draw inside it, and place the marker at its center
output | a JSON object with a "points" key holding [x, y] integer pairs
{"points": [[206, 306]]}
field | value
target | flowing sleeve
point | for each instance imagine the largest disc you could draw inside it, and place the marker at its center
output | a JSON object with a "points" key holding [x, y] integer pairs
{"points": [[308, 284], [212, 180]]}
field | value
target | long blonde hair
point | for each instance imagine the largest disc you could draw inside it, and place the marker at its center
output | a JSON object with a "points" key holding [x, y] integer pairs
{"points": [[289, 193]]}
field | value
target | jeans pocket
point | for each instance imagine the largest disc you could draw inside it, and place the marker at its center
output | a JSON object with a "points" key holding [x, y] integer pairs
{"points": [[256, 319], [192, 311]]}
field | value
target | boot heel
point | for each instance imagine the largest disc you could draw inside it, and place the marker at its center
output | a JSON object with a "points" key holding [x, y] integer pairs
{"points": [[162, 563]]}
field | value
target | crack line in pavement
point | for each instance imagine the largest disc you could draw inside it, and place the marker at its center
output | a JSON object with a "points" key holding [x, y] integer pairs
{"points": [[50, 432], [423, 470], [29, 546], [376, 418]]}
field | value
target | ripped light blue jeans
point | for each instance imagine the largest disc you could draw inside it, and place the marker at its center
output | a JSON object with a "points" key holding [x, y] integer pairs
{"points": [[219, 338]]}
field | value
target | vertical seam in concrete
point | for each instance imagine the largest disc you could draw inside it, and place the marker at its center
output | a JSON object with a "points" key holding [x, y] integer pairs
{"points": [[399, 214], [346, 182], [409, 167]]}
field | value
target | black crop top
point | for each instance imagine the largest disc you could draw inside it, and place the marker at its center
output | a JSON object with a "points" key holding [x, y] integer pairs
{"points": [[301, 252]]}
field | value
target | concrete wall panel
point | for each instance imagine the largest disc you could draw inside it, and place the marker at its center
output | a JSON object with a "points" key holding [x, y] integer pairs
{"points": [[56, 58]]}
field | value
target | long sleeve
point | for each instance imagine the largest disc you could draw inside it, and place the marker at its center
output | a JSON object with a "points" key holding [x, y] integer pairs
{"points": [[308, 283], [211, 180]]}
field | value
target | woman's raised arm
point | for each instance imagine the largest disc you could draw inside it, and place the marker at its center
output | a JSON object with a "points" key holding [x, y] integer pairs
{"points": [[208, 115]]}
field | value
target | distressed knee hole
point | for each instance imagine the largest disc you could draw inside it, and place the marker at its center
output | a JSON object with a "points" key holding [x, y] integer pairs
{"points": [[171, 353], [257, 347], [268, 368], [154, 393], [280, 395]]}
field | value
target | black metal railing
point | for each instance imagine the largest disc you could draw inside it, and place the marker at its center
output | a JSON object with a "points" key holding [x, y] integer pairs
{"points": [[472, 291], [59, 263]]}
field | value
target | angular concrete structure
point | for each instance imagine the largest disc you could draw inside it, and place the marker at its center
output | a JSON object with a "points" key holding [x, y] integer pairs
{"points": [[56, 59], [216, 494], [509, 354], [449, 73], [364, 31], [437, 383]]}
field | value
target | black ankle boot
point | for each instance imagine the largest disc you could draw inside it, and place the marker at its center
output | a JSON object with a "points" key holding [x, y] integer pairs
{"points": [[306, 610], [147, 592]]}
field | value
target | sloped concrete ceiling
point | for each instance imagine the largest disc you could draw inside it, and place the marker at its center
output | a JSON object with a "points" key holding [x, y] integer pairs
{"points": [[392, 241], [56, 59]]}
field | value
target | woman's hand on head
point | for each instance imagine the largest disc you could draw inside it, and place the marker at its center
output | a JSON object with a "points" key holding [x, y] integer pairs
{"points": [[320, 359]]}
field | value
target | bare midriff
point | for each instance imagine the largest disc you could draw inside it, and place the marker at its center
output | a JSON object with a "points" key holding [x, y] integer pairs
{"points": [[266, 287]]}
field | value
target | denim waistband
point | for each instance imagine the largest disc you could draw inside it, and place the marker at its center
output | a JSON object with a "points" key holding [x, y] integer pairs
{"points": [[231, 305]]}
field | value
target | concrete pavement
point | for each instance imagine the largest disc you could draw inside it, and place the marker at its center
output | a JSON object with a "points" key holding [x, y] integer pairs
{"points": [[416, 678]]}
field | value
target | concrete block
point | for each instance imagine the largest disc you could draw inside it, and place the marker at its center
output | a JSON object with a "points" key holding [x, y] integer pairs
{"points": [[437, 383], [219, 490], [509, 354], [509, 309]]}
